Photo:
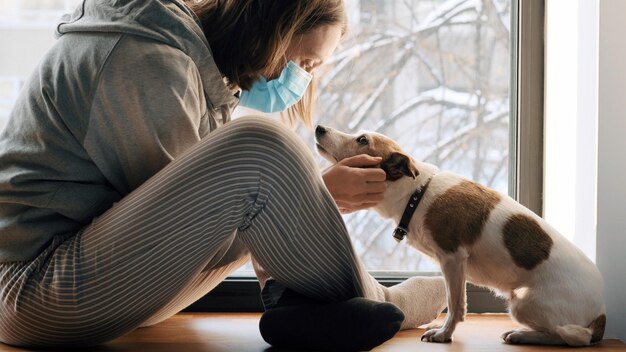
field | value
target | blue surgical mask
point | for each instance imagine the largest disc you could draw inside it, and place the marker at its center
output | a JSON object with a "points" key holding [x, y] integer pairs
{"points": [[278, 94]]}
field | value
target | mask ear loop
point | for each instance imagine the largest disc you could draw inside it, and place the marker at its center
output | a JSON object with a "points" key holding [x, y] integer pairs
{"points": [[279, 69], [285, 63]]}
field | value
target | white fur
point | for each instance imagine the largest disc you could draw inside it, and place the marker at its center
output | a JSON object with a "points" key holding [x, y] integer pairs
{"points": [[421, 299], [558, 299]]}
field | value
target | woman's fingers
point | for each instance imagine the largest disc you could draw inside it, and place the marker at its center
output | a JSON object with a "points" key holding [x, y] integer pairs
{"points": [[356, 183], [361, 160]]}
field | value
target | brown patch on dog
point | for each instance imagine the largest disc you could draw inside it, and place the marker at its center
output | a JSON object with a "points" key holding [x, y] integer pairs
{"points": [[382, 146], [458, 216], [526, 241], [597, 326]]}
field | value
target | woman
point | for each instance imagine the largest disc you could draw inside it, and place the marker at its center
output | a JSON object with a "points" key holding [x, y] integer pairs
{"points": [[122, 202]]}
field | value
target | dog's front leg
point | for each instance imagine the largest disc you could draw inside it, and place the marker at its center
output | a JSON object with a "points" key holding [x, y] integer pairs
{"points": [[453, 268]]}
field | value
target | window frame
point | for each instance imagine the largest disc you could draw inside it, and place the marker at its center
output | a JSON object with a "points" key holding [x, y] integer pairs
{"points": [[527, 104], [242, 294]]}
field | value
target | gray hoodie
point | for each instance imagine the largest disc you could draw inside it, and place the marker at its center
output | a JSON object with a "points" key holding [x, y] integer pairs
{"points": [[128, 87]]}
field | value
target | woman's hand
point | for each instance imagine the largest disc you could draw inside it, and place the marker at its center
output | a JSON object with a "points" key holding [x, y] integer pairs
{"points": [[355, 184]]}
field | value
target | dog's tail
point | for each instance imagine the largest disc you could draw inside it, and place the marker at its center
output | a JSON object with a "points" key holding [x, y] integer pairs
{"points": [[576, 335]]}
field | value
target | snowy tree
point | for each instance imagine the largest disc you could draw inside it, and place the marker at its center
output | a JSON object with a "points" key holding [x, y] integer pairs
{"points": [[433, 75]]}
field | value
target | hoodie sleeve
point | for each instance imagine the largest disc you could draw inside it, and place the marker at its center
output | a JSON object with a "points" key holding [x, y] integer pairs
{"points": [[147, 109]]}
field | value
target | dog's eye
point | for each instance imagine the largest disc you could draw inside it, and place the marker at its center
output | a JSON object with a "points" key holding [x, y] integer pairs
{"points": [[362, 140]]}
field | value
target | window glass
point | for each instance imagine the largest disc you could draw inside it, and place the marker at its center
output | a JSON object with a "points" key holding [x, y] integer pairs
{"points": [[433, 75]]}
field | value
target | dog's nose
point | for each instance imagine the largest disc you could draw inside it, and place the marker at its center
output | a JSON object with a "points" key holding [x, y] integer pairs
{"points": [[320, 131]]}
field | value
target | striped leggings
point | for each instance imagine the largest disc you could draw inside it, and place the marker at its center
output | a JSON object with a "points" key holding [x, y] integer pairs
{"points": [[251, 189]]}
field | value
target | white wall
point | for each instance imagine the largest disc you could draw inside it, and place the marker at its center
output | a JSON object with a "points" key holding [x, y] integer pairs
{"points": [[611, 229], [571, 120]]}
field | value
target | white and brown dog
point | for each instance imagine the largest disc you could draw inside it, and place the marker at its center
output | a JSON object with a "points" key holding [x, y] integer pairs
{"points": [[487, 238]]}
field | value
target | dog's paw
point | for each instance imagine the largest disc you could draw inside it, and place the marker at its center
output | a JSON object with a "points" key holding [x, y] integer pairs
{"points": [[505, 336], [437, 335], [514, 337]]}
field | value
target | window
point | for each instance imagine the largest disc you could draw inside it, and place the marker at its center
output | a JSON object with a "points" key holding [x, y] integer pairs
{"points": [[434, 76], [443, 78]]}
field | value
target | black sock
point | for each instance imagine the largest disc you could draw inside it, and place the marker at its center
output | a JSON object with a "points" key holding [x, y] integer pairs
{"points": [[358, 324]]}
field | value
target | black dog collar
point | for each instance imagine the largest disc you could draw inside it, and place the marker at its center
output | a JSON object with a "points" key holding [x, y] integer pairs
{"points": [[400, 232]]}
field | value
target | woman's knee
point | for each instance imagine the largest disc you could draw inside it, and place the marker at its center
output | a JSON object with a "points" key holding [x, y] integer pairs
{"points": [[265, 128], [259, 137]]}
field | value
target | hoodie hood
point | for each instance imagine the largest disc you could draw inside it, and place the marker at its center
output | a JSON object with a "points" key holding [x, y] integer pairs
{"points": [[167, 21]]}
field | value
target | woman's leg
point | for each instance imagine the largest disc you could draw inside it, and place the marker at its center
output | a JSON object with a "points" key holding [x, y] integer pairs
{"points": [[297, 236], [235, 255], [59, 299], [250, 181]]}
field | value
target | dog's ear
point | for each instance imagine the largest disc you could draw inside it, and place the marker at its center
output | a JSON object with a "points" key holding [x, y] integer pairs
{"points": [[398, 165]]}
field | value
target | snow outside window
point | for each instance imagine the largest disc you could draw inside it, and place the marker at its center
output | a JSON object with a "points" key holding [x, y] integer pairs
{"points": [[434, 75]]}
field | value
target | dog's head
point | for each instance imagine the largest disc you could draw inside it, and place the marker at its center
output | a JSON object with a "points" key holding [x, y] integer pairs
{"points": [[334, 146]]}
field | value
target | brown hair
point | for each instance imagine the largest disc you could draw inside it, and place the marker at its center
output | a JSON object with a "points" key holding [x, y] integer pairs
{"points": [[250, 37]]}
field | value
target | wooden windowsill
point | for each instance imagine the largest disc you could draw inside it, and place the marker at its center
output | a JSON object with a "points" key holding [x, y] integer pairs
{"points": [[222, 332]]}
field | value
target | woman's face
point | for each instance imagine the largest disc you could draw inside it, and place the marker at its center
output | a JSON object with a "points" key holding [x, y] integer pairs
{"points": [[312, 49]]}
